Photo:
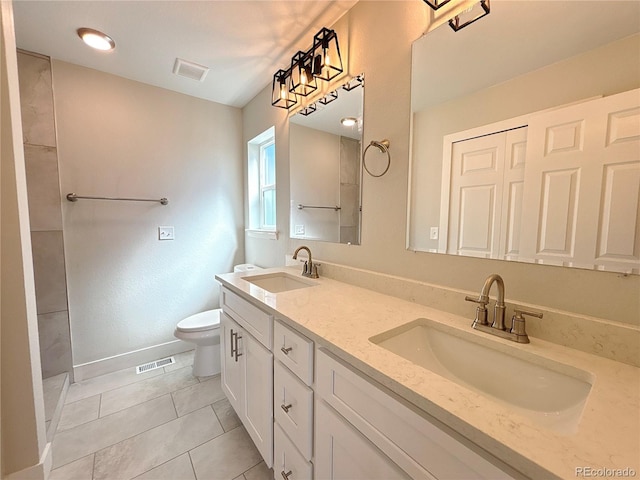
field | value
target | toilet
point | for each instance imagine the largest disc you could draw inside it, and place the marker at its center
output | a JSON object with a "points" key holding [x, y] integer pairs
{"points": [[203, 330]]}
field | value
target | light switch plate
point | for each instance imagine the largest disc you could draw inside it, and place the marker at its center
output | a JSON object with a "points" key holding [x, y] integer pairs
{"points": [[433, 233], [166, 233]]}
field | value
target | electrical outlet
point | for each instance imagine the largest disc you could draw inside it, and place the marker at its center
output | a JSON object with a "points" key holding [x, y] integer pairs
{"points": [[166, 233], [433, 233], [299, 229]]}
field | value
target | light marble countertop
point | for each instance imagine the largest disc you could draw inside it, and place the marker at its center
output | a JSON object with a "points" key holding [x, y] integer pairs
{"points": [[342, 318]]}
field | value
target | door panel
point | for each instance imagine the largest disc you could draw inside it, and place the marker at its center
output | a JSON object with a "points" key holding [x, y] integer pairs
{"points": [[581, 204]]}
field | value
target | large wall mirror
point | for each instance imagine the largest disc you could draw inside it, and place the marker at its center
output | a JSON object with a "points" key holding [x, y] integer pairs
{"points": [[526, 136], [325, 151]]}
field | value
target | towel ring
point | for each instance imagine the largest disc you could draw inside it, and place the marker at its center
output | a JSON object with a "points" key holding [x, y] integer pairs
{"points": [[383, 146]]}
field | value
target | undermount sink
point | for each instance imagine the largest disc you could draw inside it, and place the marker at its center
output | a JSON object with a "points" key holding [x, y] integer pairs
{"points": [[549, 393], [279, 282]]}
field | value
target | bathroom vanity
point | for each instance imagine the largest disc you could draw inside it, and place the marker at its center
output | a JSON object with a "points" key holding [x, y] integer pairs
{"points": [[314, 371]]}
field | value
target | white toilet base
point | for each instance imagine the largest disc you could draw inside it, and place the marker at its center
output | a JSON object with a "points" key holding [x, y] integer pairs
{"points": [[207, 360]]}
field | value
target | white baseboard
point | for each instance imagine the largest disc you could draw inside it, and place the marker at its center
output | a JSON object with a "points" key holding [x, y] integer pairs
{"points": [[40, 471], [129, 359]]}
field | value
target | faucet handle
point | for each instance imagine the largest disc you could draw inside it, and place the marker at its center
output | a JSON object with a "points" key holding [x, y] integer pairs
{"points": [[520, 313], [518, 325], [476, 300], [481, 310]]}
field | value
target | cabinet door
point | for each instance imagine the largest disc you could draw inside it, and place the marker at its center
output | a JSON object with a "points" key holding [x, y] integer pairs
{"points": [[232, 381], [344, 453], [258, 389]]}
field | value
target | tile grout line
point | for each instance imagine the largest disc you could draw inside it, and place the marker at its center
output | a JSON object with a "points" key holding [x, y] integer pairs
{"points": [[159, 465], [99, 406], [173, 402], [93, 467], [192, 467]]}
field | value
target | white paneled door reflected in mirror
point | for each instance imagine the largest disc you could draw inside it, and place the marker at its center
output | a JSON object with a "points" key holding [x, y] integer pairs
{"points": [[325, 151], [526, 136]]}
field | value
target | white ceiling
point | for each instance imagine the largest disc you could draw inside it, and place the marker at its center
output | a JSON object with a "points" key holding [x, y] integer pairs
{"points": [[243, 42]]}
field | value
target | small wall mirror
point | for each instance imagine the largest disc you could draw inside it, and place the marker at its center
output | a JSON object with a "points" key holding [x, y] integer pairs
{"points": [[325, 148], [525, 136]]}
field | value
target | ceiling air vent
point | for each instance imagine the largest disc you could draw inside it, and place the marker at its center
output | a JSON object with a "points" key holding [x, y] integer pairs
{"points": [[190, 70]]}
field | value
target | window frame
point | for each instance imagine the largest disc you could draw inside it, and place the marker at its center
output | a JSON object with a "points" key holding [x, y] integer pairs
{"points": [[263, 186]]}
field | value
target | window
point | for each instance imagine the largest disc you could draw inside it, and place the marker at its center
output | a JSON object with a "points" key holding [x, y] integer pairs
{"points": [[261, 184], [268, 185]]}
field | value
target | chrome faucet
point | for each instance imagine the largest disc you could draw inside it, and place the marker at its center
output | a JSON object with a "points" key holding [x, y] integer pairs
{"points": [[517, 331], [309, 270]]}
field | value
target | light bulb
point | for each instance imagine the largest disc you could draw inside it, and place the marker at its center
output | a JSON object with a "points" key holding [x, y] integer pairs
{"points": [[283, 91], [96, 39]]}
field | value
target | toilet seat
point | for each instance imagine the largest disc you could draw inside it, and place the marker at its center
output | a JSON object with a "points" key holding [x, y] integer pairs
{"points": [[200, 322]]}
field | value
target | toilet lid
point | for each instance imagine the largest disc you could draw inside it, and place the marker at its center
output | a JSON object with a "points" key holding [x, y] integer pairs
{"points": [[200, 321]]}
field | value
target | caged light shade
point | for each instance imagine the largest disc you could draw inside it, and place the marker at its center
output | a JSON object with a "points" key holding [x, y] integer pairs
{"points": [[470, 15], [302, 80], [436, 4], [281, 95], [327, 62]]}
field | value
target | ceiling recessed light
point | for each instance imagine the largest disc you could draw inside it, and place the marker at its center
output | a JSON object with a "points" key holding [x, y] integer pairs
{"points": [[96, 39], [348, 121]]}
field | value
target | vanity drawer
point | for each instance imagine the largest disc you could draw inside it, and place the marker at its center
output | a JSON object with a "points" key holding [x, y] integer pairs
{"points": [[255, 321], [293, 408], [287, 461], [420, 447], [295, 351]]}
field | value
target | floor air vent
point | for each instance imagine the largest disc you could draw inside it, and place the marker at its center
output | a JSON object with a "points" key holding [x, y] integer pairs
{"points": [[156, 364]]}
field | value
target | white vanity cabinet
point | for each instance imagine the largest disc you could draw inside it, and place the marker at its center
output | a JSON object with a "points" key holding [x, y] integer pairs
{"points": [[247, 370], [293, 404], [364, 432]]}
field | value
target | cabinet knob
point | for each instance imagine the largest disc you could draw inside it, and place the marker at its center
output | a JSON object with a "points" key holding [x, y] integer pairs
{"points": [[285, 407], [286, 350], [286, 475]]}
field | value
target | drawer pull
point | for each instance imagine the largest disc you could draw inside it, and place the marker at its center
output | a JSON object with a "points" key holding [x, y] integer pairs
{"points": [[286, 475], [286, 407], [286, 350]]}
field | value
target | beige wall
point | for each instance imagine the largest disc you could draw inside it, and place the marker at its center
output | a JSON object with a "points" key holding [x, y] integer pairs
{"points": [[22, 408], [379, 36], [315, 180], [117, 137]]}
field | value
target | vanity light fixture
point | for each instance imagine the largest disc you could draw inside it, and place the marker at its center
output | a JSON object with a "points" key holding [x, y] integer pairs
{"points": [[329, 97], [355, 82], [472, 14], [308, 110], [327, 62], [436, 4], [322, 61], [281, 95], [302, 80], [96, 39]]}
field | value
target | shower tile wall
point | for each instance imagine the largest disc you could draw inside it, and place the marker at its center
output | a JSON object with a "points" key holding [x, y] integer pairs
{"points": [[45, 212], [349, 190]]}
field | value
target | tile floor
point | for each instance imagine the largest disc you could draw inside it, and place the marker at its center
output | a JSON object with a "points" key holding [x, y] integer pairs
{"points": [[162, 424]]}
